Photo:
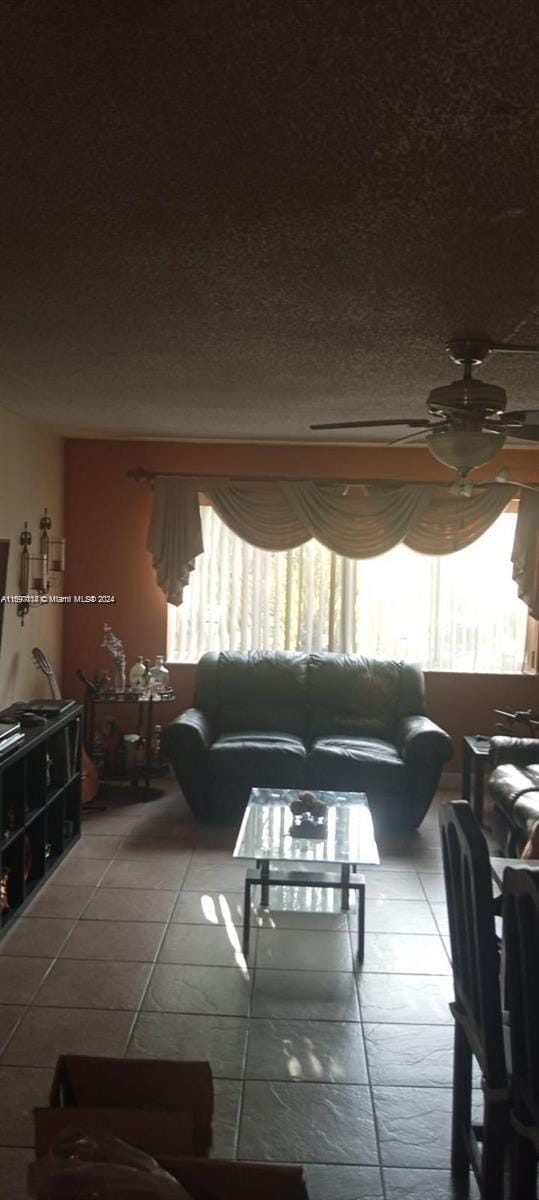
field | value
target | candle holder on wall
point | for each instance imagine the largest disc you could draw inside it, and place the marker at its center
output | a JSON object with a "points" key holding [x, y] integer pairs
{"points": [[53, 549], [37, 571]]}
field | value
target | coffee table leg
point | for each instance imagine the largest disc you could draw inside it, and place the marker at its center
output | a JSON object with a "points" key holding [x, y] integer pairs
{"points": [[246, 917], [345, 885], [361, 922], [264, 880]]}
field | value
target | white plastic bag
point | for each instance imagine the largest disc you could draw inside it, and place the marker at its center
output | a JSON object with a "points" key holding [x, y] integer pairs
{"points": [[87, 1165]]}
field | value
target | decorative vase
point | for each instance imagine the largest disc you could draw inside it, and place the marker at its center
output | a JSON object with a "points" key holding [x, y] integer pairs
{"points": [[159, 676], [119, 675]]}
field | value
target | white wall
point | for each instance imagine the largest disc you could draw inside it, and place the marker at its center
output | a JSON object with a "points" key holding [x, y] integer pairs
{"points": [[31, 479]]}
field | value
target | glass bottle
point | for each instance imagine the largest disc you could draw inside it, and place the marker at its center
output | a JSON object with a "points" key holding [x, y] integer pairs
{"points": [[159, 676], [137, 673]]}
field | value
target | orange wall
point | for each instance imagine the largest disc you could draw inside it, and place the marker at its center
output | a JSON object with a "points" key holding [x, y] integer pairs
{"points": [[106, 521]]}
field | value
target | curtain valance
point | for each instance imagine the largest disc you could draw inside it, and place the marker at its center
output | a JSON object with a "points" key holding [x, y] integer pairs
{"points": [[284, 514]]}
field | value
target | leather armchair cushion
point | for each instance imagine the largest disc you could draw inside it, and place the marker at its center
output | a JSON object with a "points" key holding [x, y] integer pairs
{"points": [[509, 782], [261, 759], [520, 751]]}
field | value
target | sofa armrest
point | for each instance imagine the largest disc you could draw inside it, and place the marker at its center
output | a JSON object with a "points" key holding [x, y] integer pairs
{"points": [[190, 733], [193, 724], [517, 750], [419, 739], [186, 741]]}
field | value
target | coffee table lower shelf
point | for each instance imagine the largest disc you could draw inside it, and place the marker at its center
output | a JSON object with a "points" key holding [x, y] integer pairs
{"points": [[260, 876]]}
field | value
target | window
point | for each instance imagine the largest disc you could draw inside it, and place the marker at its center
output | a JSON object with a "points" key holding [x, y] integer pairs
{"points": [[456, 612]]}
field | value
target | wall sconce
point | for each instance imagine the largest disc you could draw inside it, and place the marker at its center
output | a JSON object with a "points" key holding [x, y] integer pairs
{"points": [[52, 549], [36, 569]]}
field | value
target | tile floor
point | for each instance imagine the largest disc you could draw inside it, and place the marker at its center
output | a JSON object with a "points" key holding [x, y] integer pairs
{"points": [[133, 948]]}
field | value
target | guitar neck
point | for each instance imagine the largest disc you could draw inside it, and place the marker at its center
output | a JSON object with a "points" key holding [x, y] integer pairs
{"points": [[41, 661], [53, 685]]}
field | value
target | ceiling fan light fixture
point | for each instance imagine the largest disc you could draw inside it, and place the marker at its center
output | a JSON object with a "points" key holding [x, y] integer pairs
{"points": [[464, 449]]}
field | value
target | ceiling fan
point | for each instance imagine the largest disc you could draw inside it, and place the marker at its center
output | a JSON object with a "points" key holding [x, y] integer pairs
{"points": [[473, 423]]}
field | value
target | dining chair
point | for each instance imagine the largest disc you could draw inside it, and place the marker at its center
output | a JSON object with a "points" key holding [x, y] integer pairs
{"points": [[521, 941], [476, 1009]]}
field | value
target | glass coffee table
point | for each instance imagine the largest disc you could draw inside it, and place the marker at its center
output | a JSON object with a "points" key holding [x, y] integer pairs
{"points": [[269, 833]]}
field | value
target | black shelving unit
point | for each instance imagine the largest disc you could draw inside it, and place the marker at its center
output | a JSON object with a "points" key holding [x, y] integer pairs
{"points": [[40, 806]]}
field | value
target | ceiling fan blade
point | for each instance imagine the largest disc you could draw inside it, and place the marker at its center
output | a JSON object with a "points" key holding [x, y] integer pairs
{"points": [[523, 424], [523, 417], [528, 433], [512, 348], [407, 436], [412, 423], [501, 477]]}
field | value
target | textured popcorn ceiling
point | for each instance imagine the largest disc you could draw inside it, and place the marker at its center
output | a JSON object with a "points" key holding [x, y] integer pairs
{"points": [[230, 218]]}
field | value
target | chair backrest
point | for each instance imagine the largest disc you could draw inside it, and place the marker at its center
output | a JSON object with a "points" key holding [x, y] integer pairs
{"points": [[521, 941], [474, 947]]}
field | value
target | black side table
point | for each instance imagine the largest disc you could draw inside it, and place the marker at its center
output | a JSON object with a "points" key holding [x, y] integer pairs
{"points": [[475, 752]]}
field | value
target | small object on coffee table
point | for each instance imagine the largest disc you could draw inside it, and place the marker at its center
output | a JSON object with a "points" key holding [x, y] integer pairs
{"points": [[309, 816]]}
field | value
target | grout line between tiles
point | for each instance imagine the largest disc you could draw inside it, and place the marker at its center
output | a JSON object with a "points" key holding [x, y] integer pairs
{"points": [[151, 974]]}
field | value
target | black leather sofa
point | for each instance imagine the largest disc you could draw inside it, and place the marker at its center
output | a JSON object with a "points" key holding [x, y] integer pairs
{"points": [[514, 787], [328, 721]]}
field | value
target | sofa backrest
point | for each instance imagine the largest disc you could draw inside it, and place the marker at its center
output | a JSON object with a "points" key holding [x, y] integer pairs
{"points": [[257, 689], [363, 697], [310, 695]]}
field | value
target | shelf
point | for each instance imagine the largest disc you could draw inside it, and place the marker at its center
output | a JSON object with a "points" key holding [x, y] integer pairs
{"points": [[46, 818], [13, 833], [32, 815], [53, 793]]}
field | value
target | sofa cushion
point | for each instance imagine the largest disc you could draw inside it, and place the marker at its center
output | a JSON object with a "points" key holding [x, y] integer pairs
{"points": [[262, 690], [509, 782], [526, 809], [353, 696], [344, 762], [262, 759]]}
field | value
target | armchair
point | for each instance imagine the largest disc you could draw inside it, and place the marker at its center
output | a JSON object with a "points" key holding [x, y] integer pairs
{"points": [[514, 787]]}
